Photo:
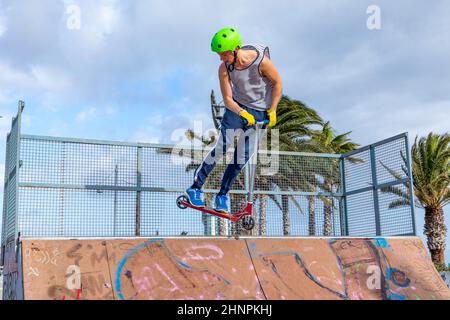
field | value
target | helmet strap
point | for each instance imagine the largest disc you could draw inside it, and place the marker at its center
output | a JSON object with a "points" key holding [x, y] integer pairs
{"points": [[231, 66], [235, 56]]}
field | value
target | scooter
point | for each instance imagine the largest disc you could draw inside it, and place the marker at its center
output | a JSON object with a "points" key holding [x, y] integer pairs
{"points": [[246, 213]]}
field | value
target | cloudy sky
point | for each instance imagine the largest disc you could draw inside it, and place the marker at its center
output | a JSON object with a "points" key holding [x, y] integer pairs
{"points": [[140, 70]]}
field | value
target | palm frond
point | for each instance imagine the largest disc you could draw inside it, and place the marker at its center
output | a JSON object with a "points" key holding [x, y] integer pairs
{"points": [[398, 203]]}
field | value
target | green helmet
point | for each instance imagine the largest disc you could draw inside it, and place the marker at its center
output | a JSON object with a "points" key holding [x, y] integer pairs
{"points": [[226, 39]]}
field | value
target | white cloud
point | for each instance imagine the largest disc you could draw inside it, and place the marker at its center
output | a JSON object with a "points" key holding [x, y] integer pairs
{"points": [[170, 130], [44, 83], [111, 110], [49, 79], [5, 124], [93, 113], [334, 63], [10, 77], [2, 25], [58, 129], [86, 115], [98, 20], [383, 115]]}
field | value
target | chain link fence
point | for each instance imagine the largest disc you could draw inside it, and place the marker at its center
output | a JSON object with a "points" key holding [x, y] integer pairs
{"points": [[67, 187]]}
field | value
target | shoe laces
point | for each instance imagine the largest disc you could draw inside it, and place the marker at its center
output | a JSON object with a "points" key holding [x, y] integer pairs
{"points": [[198, 194], [223, 198]]}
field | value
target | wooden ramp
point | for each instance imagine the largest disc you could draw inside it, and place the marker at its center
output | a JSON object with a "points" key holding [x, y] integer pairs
{"points": [[221, 268]]}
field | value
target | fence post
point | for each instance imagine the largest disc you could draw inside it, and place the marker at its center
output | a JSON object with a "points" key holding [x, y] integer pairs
{"points": [[62, 190], [411, 185], [6, 187], [138, 192], [17, 170], [343, 200], [375, 191], [116, 176]]}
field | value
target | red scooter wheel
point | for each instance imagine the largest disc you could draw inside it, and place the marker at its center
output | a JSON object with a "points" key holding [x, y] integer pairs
{"points": [[182, 199], [248, 222]]}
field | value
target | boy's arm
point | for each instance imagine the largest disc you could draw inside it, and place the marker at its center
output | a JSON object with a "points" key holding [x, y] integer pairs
{"points": [[269, 71]]}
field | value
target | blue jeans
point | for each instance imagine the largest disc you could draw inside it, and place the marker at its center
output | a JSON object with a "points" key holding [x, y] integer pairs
{"points": [[232, 125]]}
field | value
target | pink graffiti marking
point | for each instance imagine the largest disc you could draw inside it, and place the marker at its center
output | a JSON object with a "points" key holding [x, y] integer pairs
{"points": [[196, 256], [357, 296], [169, 279], [33, 271], [259, 294], [146, 283]]}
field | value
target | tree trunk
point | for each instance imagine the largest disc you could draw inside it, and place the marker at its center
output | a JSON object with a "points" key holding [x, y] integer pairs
{"points": [[285, 206], [262, 215], [327, 228], [436, 233], [311, 216], [327, 208], [236, 203], [222, 226]]}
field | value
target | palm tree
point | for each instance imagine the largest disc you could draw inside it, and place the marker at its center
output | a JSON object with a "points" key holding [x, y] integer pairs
{"points": [[295, 120], [431, 172], [262, 223], [431, 179], [325, 141], [324, 172]]}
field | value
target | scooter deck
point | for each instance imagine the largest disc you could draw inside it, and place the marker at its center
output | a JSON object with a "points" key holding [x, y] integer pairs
{"points": [[230, 216]]}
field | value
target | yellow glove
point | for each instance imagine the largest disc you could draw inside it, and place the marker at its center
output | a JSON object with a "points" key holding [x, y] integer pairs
{"points": [[272, 117], [247, 116]]}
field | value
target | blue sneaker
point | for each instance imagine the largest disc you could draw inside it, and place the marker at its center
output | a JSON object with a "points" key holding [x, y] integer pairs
{"points": [[222, 203], [195, 197]]}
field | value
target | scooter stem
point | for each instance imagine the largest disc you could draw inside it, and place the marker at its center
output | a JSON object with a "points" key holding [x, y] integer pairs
{"points": [[253, 161]]}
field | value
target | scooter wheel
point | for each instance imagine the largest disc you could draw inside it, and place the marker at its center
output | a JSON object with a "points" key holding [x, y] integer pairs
{"points": [[248, 222], [182, 199]]}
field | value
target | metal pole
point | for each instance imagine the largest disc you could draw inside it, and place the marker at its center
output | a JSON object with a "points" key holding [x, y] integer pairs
{"points": [[17, 175], [6, 188], [411, 183], [375, 191], [62, 191], [138, 193], [253, 162], [116, 172], [343, 200]]}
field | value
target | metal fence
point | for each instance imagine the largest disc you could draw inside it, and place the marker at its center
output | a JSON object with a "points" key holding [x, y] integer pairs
{"points": [[378, 189], [67, 187], [10, 190]]}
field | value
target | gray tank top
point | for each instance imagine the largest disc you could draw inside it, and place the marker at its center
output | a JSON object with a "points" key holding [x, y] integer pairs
{"points": [[249, 87]]}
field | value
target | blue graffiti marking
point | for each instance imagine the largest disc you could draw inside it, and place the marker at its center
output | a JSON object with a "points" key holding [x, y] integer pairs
{"points": [[183, 264], [169, 254], [390, 275], [382, 243], [395, 296], [124, 261]]}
